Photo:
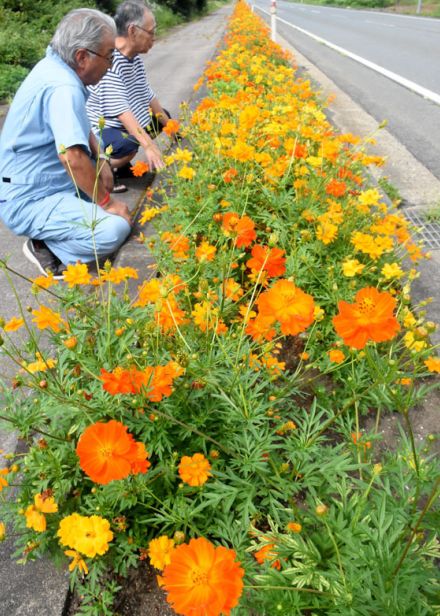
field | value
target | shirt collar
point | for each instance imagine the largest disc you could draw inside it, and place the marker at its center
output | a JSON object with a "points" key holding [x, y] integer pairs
{"points": [[52, 55]]}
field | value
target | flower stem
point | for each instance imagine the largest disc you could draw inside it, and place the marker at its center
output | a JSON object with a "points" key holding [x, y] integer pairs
{"points": [[429, 502]]}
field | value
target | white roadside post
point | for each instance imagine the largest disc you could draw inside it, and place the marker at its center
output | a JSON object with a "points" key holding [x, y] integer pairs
{"points": [[273, 19]]}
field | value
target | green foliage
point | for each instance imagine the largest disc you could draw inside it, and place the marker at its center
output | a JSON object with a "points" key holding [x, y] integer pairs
{"points": [[186, 8], [10, 79], [390, 190]]}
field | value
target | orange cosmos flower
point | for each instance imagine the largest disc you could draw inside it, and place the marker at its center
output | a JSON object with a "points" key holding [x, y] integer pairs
{"points": [[267, 552], [232, 290], [260, 328], [205, 252], [243, 228], [13, 324], [369, 318], [294, 527], [433, 364], [107, 452], [46, 318], [161, 380], [336, 188], [117, 382], [336, 356], [245, 232], [3, 482], [77, 274], [230, 221], [271, 260], [203, 580], [139, 168], [356, 437], [168, 315], [171, 127], [286, 303], [229, 175], [194, 470], [179, 244]]}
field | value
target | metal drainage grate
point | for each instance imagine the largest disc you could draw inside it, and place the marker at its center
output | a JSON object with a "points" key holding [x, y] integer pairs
{"points": [[429, 232]]}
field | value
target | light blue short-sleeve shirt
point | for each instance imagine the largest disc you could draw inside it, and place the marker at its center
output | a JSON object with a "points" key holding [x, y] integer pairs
{"points": [[47, 114]]}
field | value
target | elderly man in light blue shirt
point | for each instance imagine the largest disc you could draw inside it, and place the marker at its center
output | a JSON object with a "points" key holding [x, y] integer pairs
{"points": [[54, 187]]}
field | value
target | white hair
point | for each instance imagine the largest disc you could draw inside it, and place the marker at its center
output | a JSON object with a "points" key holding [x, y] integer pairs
{"points": [[81, 29]]}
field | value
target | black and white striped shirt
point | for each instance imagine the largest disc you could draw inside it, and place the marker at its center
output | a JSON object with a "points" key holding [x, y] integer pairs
{"points": [[123, 88]]}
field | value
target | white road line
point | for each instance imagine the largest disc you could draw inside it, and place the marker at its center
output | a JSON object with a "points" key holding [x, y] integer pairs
{"points": [[406, 83], [368, 21]]}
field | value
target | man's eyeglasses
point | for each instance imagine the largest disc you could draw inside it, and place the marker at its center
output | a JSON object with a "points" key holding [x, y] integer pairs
{"points": [[150, 32], [109, 58]]}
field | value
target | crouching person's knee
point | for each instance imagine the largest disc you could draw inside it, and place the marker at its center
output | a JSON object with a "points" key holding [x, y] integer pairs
{"points": [[111, 232]]}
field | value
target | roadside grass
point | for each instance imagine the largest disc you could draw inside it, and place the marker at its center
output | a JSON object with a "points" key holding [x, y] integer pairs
{"points": [[433, 213], [391, 191]]}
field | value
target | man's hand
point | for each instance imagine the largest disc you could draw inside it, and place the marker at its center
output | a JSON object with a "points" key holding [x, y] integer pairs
{"points": [[106, 174], [154, 157], [119, 208]]}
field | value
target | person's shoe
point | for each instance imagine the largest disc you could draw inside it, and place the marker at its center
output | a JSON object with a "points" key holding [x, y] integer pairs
{"points": [[118, 186], [124, 171], [39, 254]]}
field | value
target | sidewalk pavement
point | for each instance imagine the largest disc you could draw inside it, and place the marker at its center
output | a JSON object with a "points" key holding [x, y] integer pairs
{"points": [[173, 65]]}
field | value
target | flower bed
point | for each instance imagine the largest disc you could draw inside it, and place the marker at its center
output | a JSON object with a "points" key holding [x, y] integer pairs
{"points": [[214, 424]]}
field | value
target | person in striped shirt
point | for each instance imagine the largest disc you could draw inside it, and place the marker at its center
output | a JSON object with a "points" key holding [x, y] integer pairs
{"points": [[124, 96]]}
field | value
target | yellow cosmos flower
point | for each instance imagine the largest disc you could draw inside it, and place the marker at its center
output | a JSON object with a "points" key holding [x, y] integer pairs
{"points": [[205, 252], [392, 270], [45, 282], [369, 197], [187, 173], [413, 344], [77, 561], [40, 364], [34, 514], [352, 267], [159, 551], [46, 318], [88, 535], [2, 531], [314, 161], [116, 275], [326, 232], [183, 155], [77, 274]]}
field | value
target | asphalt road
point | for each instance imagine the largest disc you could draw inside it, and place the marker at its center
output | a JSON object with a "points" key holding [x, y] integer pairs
{"points": [[407, 46]]}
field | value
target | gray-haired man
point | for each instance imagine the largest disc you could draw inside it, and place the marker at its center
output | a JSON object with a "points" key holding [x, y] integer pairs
{"points": [[124, 96], [48, 152]]}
